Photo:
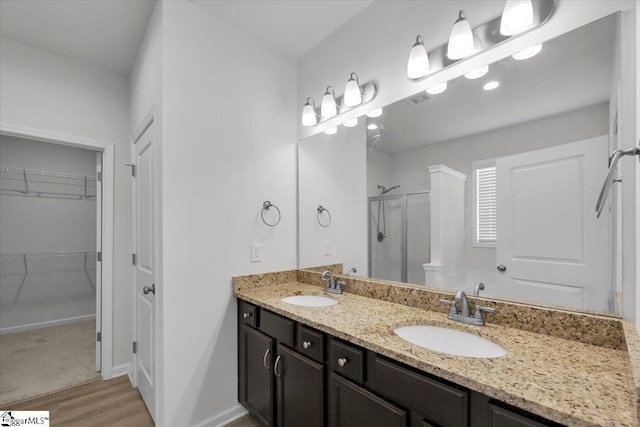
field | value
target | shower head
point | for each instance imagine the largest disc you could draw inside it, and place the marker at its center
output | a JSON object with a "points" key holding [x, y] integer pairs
{"points": [[384, 190]]}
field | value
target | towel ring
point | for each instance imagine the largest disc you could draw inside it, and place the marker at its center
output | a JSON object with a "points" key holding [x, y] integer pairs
{"points": [[320, 210], [265, 207]]}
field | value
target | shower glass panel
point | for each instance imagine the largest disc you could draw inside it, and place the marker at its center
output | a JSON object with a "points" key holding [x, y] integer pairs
{"points": [[406, 245]]}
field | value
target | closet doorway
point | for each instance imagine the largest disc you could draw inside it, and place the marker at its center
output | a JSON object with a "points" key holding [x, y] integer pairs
{"points": [[55, 261]]}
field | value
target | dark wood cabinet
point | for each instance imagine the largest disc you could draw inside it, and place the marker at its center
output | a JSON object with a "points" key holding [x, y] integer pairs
{"points": [[255, 379], [351, 405], [300, 390]]}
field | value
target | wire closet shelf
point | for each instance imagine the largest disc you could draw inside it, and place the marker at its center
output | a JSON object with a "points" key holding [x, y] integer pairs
{"points": [[33, 182]]}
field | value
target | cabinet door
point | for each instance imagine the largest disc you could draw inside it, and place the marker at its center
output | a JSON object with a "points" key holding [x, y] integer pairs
{"points": [[351, 405], [300, 390], [255, 378], [500, 417]]}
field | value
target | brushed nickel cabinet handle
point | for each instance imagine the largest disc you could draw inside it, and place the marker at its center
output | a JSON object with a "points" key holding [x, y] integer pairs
{"points": [[275, 366], [264, 359], [246, 315], [342, 362], [306, 344]]}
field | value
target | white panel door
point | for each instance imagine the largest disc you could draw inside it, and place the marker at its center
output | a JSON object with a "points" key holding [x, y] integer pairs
{"points": [[553, 247], [98, 261], [144, 268]]}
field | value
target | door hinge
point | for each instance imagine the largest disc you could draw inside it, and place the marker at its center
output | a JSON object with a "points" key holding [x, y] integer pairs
{"points": [[135, 347], [99, 256], [134, 258], [100, 176], [99, 337]]}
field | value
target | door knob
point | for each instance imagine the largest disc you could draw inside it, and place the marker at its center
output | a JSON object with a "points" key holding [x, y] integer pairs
{"points": [[502, 268], [148, 289]]}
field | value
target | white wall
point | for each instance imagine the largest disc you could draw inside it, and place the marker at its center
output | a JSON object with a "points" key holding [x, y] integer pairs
{"points": [[47, 224], [332, 173], [228, 144], [51, 92]]}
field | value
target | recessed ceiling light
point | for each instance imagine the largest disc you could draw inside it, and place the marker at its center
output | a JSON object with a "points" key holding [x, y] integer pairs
{"points": [[434, 90], [351, 123], [477, 73], [375, 113], [527, 53], [331, 131], [372, 126], [491, 85]]}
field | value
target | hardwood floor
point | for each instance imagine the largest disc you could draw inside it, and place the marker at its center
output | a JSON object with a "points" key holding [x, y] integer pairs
{"points": [[96, 404]]}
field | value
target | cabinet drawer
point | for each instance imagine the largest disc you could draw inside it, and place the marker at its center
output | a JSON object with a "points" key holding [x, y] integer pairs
{"points": [[440, 403], [346, 360], [310, 343], [247, 313], [500, 417], [278, 327]]}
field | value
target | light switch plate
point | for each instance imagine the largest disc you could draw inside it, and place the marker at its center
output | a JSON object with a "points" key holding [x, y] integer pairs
{"points": [[256, 252]]}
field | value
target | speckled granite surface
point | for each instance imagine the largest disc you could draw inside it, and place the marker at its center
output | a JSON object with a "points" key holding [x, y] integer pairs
{"points": [[566, 381], [589, 329], [633, 344]]}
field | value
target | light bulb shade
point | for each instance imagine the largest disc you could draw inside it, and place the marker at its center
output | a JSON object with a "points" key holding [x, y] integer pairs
{"points": [[418, 65], [477, 72], [517, 16], [352, 94], [309, 117], [351, 123], [331, 131], [439, 88], [461, 39], [527, 53], [328, 108], [375, 113]]}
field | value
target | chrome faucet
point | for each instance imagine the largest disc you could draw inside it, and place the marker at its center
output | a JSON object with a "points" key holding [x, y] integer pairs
{"points": [[463, 315], [331, 284], [352, 270], [479, 287]]}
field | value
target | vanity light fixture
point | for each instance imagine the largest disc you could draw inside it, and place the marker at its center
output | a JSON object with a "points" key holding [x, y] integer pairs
{"points": [[517, 16], [461, 38], [351, 123], [491, 85], [527, 53], [309, 115], [375, 113], [418, 65], [329, 108], [372, 126], [331, 131], [439, 88], [477, 73], [352, 94]]}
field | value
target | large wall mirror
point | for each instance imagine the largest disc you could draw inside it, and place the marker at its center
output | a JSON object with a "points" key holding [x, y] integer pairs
{"points": [[488, 186]]}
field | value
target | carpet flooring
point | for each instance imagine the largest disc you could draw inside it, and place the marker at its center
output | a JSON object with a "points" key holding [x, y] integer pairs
{"points": [[43, 360]]}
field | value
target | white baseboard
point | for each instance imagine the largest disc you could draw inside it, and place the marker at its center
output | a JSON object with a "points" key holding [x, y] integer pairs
{"points": [[48, 324], [225, 417], [121, 370]]}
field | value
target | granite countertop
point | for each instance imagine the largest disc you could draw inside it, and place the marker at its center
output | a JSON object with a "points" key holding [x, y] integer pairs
{"points": [[565, 381]]}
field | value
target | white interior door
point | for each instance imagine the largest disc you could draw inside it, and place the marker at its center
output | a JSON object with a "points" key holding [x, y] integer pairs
{"points": [[553, 247], [144, 268], [99, 262]]}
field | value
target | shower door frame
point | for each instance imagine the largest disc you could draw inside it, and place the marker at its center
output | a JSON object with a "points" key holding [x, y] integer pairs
{"points": [[404, 268]]}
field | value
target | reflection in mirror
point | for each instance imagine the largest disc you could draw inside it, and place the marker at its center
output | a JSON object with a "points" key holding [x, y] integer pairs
{"points": [[491, 184]]}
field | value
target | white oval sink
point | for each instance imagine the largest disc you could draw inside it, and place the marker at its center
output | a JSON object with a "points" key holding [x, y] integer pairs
{"points": [[450, 341], [310, 300]]}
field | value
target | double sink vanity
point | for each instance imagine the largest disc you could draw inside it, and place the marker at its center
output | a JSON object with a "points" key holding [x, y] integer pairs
{"points": [[384, 354]]}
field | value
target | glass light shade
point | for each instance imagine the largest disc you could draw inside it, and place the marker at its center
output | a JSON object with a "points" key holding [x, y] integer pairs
{"points": [[352, 94], [309, 117], [351, 123], [477, 73], [418, 65], [434, 90], [331, 131], [372, 126], [491, 85], [517, 16], [527, 53], [328, 108], [375, 113], [461, 39]]}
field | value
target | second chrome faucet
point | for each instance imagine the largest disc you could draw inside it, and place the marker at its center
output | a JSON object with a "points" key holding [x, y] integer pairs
{"points": [[462, 313], [331, 284]]}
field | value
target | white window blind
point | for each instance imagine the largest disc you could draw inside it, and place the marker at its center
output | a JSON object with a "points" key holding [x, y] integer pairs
{"points": [[486, 205]]}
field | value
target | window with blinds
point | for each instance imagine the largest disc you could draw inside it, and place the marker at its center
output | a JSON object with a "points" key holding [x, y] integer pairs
{"points": [[486, 205]]}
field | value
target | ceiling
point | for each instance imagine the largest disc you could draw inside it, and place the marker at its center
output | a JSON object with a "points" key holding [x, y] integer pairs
{"points": [[290, 27], [104, 33], [571, 72]]}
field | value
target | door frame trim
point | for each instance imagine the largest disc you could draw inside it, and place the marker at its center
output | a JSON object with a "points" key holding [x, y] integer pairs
{"points": [[108, 194]]}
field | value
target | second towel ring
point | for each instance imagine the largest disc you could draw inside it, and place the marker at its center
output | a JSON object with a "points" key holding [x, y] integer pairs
{"points": [[320, 210], [265, 207]]}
